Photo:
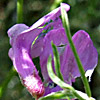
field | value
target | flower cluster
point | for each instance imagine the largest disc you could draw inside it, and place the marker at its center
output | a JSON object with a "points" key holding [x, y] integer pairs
{"points": [[35, 41]]}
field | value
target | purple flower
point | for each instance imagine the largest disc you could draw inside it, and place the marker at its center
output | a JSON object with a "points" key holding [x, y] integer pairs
{"points": [[48, 28]]}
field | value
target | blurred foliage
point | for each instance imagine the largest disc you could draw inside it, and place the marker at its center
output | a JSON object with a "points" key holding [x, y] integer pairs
{"points": [[84, 14]]}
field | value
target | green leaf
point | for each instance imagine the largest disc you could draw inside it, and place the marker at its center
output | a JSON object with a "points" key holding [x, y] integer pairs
{"points": [[59, 82], [58, 95], [57, 61]]}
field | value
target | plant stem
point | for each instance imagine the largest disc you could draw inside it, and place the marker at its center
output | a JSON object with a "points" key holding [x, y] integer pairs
{"points": [[57, 61], [12, 72], [58, 95], [19, 11], [55, 4], [4, 85], [80, 67]]}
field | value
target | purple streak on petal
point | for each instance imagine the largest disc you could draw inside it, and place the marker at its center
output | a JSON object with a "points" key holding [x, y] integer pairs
{"points": [[87, 53], [38, 46], [55, 24], [58, 37]]}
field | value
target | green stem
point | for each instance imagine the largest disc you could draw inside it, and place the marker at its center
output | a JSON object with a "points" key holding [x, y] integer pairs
{"points": [[19, 11], [12, 72], [80, 67], [58, 95], [55, 4], [57, 61], [4, 85]]}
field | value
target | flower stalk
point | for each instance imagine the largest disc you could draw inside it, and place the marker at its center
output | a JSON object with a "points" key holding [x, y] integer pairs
{"points": [[12, 72], [19, 11], [80, 67], [4, 84]]}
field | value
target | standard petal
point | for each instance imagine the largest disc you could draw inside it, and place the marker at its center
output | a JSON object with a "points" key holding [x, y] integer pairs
{"points": [[87, 53]]}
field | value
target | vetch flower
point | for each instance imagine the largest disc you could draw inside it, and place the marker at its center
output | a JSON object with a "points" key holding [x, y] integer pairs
{"points": [[30, 42], [23, 49]]}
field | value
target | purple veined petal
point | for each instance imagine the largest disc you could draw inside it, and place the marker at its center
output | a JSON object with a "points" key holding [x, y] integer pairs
{"points": [[87, 53], [56, 24], [58, 37], [38, 46]]}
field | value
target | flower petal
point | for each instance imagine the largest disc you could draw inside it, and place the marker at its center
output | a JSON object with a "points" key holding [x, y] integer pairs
{"points": [[37, 48], [58, 37], [55, 24], [50, 16], [21, 46], [20, 55], [15, 30], [87, 53], [38, 45]]}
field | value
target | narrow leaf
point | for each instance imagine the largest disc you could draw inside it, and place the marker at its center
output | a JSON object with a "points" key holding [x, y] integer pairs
{"points": [[59, 82], [57, 61], [58, 95]]}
